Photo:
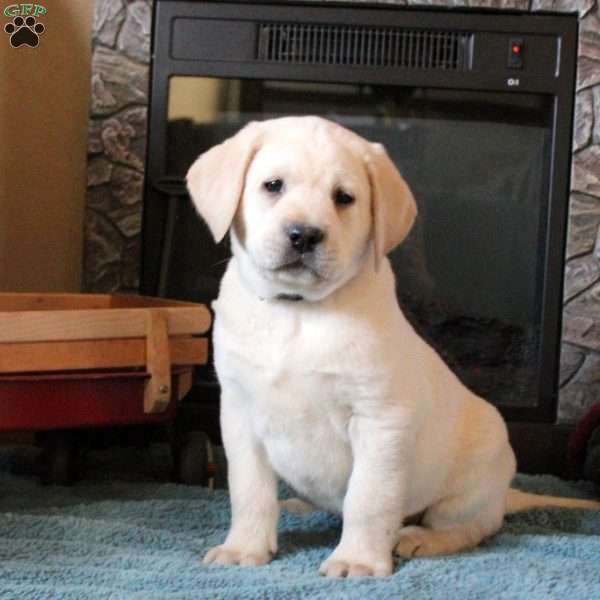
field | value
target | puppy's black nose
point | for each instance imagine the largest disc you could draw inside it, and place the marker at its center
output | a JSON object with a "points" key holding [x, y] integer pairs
{"points": [[304, 238]]}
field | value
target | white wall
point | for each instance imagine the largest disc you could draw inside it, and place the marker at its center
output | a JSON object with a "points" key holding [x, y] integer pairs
{"points": [[44, 101]]}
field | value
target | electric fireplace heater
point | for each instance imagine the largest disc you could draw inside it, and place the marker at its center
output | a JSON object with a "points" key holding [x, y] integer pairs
{"points": [[475, 108]]}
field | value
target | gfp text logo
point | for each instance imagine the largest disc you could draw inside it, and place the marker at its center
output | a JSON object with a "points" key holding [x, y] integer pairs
{"points": [[24, 29]]}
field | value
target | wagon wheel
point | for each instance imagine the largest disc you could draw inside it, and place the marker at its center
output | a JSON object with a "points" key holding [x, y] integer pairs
{"points": [[58, 461], [192, 459]]}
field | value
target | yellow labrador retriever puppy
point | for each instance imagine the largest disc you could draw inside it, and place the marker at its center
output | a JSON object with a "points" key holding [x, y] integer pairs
{"points": [[324, 382]]}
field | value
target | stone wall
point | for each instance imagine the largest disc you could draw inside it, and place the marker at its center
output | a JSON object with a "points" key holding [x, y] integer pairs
{"points": [[117, 144], [120, 64]]}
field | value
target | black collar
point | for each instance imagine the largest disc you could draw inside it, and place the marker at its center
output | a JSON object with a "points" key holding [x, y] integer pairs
{"points": [[289, 297]]}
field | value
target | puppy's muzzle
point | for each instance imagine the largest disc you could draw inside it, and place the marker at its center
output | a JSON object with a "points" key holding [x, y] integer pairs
{"points": [[304, 238]]}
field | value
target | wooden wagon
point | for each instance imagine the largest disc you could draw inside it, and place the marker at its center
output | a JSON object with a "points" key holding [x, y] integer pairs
{"points": [[70, 361]]}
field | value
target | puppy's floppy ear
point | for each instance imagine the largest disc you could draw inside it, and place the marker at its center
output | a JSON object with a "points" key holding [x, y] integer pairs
{"points": [[392, 204], [216, 180]]}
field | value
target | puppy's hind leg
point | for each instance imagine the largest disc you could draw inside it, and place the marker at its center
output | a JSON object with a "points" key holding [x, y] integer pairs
{"points": [[432, 539], [463, 519]]}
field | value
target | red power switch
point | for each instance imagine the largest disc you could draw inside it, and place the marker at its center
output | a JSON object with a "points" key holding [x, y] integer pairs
{"points": [[515, 53]]}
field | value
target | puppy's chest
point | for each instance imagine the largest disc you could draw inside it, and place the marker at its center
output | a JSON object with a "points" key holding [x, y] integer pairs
{"points": [[290, 389], [302, 418], [279, 352], [294, 376], [300, 381]]}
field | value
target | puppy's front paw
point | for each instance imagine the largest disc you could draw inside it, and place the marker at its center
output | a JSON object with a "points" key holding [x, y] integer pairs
{"points": [[228, 554], [357, 566]]}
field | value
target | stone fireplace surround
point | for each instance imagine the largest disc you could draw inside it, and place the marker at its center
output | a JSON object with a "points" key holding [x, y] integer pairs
{"points": [[116, 150]]}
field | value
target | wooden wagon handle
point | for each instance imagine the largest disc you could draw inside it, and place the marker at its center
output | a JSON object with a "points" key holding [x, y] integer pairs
{"points": [[157, 393]]}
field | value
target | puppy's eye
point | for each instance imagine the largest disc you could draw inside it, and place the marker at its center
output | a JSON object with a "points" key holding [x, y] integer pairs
{"points": [[273, 186], [343, 198]]}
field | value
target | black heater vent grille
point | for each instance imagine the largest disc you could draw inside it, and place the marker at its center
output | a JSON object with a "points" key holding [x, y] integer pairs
{"points": [[363, 46]]}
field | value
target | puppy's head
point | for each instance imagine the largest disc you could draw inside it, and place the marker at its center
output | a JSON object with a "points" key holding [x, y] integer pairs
{"points": [[307, 202]]}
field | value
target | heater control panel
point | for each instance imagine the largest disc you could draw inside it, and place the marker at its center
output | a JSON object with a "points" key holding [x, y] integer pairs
{"points": [[399, 47], [530, 61]]}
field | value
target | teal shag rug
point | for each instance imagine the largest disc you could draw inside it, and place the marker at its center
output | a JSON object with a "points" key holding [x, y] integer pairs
{"points": [[125, 532]]}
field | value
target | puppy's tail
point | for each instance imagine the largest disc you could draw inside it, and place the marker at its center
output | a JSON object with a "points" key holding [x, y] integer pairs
{"points": [[517, 501]]}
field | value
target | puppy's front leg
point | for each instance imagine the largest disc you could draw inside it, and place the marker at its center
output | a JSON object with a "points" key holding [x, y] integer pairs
{"points": [[374, 501], [252, 537]]}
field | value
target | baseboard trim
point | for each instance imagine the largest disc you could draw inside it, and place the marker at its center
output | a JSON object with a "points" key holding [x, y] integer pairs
{"points": [[542, 448]]}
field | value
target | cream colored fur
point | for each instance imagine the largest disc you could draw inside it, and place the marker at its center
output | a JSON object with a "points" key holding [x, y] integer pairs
{"points": [[336, 393]]}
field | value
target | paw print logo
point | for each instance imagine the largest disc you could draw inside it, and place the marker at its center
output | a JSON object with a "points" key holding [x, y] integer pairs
{"points": [[24, 32]]}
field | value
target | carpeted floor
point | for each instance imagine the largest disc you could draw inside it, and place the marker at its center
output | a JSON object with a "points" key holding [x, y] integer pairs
{"points": [[125, 532]]}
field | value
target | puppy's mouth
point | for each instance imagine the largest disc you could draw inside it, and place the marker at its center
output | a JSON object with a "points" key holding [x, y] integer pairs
{"points": [[298, 266]]}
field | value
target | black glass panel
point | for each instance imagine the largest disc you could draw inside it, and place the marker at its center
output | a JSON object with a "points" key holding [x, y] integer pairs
{"points": [[470, 275]]}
